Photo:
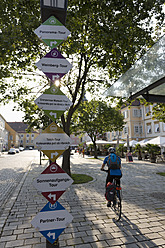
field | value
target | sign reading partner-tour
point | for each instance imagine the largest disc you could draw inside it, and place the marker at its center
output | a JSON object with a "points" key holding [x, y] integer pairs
{"points": [[53, 140], [52, 32], [54, 65], [54, 102], [52, 220], [52, 182]]}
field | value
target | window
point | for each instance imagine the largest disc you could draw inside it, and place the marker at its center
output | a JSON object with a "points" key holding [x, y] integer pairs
{"points": [[136, 129], [137, 112], [125, 130], [32, 135], [11, 137], [147, 109], [141, 129], [163, 127], [148, 128], [27, 141], [27, 135], [157, 129], [125, 114], [21, 141], [22, 135]]}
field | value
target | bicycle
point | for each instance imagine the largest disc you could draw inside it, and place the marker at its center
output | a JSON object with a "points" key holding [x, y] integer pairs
{"points": [[116, 205]]}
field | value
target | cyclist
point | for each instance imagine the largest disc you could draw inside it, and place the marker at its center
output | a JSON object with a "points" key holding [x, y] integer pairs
{"points": [[114, 168]]}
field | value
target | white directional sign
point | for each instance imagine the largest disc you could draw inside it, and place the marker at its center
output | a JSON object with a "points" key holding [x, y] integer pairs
{"points": [[53, 141], [54, 102], [52, 182], [52, 220], [52, 32], [54, 65]]}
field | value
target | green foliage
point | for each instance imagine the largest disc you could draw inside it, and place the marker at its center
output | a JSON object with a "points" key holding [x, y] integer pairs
{"points": [[96, 118], [158, 112], [152, 149]]}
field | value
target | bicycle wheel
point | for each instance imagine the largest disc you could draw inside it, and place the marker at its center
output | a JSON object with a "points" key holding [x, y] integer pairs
{"points": [[117, 205]]}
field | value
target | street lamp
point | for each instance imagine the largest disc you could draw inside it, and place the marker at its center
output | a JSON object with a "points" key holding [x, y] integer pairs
{"points": [[55, 8]]}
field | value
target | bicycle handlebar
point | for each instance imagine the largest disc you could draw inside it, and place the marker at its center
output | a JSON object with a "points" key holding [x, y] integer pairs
{"points": [[104, 170]]}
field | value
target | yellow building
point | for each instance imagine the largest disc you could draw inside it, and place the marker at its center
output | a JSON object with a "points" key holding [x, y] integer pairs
{"points": [[26, 140], [13, 137]]}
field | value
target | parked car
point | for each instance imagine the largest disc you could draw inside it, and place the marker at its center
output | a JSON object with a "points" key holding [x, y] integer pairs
{"points": [[17, 150], [30, 148], [12, 151], [21, 148]]}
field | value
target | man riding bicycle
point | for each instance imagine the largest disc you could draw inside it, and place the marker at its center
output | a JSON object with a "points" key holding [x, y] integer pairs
{"points": [[114, 168]]}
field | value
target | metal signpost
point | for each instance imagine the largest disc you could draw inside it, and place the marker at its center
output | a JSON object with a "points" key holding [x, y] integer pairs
{"points": [[52, 220]]}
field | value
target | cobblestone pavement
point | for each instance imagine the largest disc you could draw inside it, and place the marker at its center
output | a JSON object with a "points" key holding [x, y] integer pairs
{"points": [[12, 169], [142, 223]]}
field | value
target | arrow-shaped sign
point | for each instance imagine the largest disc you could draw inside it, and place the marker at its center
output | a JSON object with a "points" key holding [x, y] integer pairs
{"points": [[54, 102], [52, 182], [54, 65], [51, 221], [52, 32]]}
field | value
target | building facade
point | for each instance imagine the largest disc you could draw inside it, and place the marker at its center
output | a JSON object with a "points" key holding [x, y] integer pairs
{"points": [[25, 140], [139, 123]]}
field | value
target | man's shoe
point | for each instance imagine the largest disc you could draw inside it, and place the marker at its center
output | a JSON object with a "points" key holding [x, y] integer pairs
{"points": [[109, 204]]}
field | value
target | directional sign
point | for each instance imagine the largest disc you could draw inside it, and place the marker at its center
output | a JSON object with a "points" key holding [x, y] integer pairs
{"points": [[54, 65], [52, 220], [54, 102], [52, 32], [52, 154], [52, 182], [53, 139]]}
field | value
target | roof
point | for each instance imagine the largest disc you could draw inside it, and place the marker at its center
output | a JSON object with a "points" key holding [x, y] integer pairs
{"points": [[136, 102], [19, 127]]}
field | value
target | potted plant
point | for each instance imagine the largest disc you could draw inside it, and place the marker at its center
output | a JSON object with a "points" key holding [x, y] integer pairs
{"points": [[153, 150], [138, 150]]}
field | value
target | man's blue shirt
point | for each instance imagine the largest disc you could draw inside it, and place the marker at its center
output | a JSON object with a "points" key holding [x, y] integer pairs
{"points": [[113, 156]]}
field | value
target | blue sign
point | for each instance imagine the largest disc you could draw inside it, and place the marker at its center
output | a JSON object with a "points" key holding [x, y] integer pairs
{"points": [[52, 220]]}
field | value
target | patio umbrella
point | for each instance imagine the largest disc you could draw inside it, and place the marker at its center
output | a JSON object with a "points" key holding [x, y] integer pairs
{"points": [[142, 142], [98, 142], [132, 143], [160, 140], [114, 142]]}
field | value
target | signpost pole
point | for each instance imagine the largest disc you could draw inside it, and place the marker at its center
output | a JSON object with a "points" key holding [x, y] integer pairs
{"points": [[55, 245]]}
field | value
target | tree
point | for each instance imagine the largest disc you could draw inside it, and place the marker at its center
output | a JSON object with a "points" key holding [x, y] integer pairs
{"points": [[95, 118], [111, 40], [158, 112]]}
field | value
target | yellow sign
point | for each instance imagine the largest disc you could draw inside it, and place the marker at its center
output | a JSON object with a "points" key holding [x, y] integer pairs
{"points": [[52, 154], [53, 141]]}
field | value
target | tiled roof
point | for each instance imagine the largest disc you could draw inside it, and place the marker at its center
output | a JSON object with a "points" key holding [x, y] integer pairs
{"points": [[19, 127]]}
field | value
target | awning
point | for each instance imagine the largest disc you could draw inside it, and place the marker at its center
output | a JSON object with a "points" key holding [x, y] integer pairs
{"points": [[145, 78]]}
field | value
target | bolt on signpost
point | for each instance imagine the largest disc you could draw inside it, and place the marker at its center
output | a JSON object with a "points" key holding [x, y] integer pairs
{"points": [[52, 220]]}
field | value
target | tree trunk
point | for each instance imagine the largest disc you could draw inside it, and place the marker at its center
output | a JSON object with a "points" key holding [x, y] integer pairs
{"points": [[66, 162], [95, 151]]}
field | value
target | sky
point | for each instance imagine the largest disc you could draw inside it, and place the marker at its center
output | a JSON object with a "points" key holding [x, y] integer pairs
{"points": [[9, 115]]}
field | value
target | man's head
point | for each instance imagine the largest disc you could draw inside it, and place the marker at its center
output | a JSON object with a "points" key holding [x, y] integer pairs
{"points": [[111, 150]]}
